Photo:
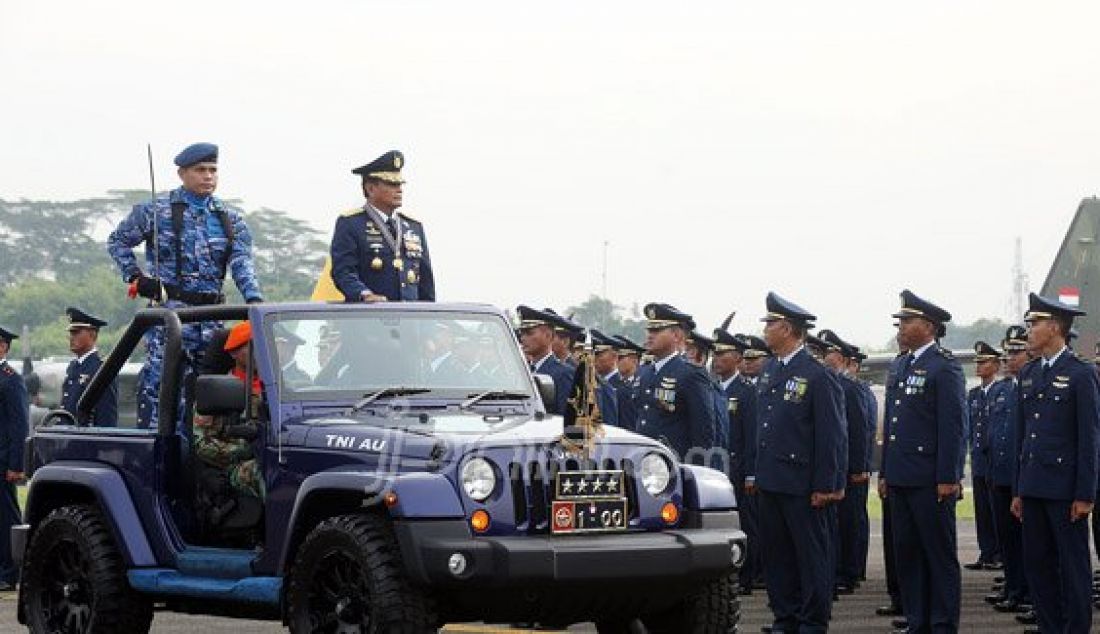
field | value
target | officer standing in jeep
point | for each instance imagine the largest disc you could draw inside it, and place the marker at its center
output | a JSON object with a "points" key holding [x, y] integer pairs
{"points": [[191, 240], [377, 253], [13, 431]]}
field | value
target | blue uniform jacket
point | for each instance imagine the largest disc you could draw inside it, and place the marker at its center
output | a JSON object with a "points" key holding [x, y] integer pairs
{"points": [[362, 259], [14, 412], [204, 250], [925, 445], [624, 396], [1002, 434], [801, 416], [889, 405], [855, 409], [562, 376], [676, 405], [1057, 427], [741, 407], [978, 404], [77, 376]]}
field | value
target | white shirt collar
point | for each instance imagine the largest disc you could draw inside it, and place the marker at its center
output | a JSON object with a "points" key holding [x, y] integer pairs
{"points": [[1051, 361], [610, 375], [82, 358], [919, 351], [660, 363], [542, 361], [726, 384], [787, 359]]}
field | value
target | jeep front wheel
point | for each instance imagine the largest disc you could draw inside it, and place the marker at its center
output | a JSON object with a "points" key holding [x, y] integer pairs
{"points": [[348, 577], [74, 579], [712, 609]]}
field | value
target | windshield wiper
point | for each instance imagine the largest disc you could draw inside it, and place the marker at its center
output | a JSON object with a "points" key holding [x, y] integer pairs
{"points": [[371, 397], [493, 395]]}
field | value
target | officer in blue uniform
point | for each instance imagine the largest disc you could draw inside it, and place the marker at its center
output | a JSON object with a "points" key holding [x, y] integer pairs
{"points": [[198, 239], [892, 393], [14, 411], [675, 399], [754, 357], [629, 359], [979, 400], [536, 332], [378, 253], [801, 428], [1001, 431], [922, 460], [740, 405], [853, 523], [606, 356], [568, 336], [698, 349], [870, 409], [1058, 426], [83, 334]]}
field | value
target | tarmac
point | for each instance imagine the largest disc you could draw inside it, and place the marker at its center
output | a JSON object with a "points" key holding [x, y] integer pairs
{"points": [[853, 613]]}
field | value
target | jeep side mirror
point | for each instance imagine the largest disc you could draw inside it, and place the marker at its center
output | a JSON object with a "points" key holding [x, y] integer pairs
{"points": [[546, 388], [219, 394]]}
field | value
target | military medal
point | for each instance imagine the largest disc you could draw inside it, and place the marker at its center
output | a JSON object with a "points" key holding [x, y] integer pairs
{"points": [[411, 276], [398, 263], [376, 264]]}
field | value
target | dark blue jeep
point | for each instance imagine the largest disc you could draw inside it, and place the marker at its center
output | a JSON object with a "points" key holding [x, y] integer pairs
{"points": [[411, 478]]}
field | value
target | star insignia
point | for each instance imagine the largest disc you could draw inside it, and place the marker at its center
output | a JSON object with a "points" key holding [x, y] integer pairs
{"points": [[566, 486], [597, 485], [612, 485], [581, 486]]}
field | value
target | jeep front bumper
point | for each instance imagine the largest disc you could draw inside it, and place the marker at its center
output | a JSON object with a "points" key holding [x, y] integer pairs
{"points": [[427, 548]]}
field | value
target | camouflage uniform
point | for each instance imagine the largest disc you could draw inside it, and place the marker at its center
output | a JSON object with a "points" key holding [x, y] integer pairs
{"points": [[206, 250], [233, 456]]}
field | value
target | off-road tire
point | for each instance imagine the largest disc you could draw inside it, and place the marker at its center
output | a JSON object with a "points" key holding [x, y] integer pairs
{"points": [[632, 626], [348, 571], [74, 579], [713, 609]]}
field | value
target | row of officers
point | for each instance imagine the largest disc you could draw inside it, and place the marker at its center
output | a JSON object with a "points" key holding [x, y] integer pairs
{"points": [[795, 430]]}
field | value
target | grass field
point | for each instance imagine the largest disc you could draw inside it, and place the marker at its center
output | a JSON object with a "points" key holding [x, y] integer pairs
{"points": [[964, 511]]}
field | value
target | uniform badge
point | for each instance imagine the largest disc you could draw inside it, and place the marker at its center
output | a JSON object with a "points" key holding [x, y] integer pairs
{"points": [[397, 162], [83, 379], [398, 263], [376, 264], [795, 389], [1063, 379], [733, 403], [651, 313], [412, 277], [666, 398], [372, 229]]}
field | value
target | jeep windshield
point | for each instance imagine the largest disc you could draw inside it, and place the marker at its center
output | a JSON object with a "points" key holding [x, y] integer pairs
{"points": [[378, 355]]}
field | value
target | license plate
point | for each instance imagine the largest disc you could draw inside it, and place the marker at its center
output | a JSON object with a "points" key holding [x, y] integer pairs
{"points": [[588, 516]]}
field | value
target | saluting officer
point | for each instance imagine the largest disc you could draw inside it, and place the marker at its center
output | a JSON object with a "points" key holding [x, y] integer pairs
{"points": [[198, 239], [980, 398], [922, 460], [379, 254], [797, 470], [13, 432], [853, 523], [1002, 464], [740, 395], [83, 334], [1058, 426], [536, 329], [675, 398]]}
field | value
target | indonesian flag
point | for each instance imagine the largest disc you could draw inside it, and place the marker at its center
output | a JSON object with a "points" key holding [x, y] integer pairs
{"points": [[1070, 295]]}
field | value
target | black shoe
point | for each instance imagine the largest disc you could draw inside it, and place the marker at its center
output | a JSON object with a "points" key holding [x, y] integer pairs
{"points": [[1027, 618], [845, 588], [744, 590], [996, 597], [1009, 605], [999, 579], [977, 565], [888, 610], [997, 587], [1032, 630], [900, 624], [993, 565]]}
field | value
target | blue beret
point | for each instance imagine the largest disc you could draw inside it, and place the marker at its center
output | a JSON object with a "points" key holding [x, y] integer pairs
{"points": [[197, 153]]}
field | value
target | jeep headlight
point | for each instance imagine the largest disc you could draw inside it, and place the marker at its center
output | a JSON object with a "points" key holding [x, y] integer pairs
{"points": [[655, 473], [478, 479]]}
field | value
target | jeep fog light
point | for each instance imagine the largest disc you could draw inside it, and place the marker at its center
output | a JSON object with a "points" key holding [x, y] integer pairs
{"points": [[478, 479], [457, 564], [655, 474]]}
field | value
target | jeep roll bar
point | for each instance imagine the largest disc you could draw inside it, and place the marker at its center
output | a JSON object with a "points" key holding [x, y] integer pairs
{"points": [[172, 320]]}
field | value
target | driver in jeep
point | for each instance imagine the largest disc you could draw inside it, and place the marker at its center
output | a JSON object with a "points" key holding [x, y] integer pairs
{"points": [[224, 442]]}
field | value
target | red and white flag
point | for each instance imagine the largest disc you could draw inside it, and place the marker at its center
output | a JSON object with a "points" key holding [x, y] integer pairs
{"points": [[1069, 295]]}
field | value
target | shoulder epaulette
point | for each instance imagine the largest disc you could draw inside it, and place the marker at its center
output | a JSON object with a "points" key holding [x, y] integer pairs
{"points": [[944, 352], [408, 217], [352, 212]]}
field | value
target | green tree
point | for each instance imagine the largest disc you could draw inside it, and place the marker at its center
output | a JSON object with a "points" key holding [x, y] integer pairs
{"points": [[603, 315], [288, 254]]}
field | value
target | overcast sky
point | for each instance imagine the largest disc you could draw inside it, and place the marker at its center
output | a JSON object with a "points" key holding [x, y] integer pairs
{"points": [[835, 152]]}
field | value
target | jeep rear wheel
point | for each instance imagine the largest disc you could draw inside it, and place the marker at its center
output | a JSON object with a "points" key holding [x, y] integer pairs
{"points": [[74, 580], [712, 609], [348, 577]]}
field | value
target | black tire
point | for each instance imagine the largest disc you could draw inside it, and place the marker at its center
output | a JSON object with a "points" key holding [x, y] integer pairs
{"points": [[632, 626], [74, 579], [347, 575], [713, 609]]}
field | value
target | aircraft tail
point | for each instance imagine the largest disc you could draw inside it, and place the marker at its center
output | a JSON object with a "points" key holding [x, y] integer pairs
{"points": [[325, 290]]}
